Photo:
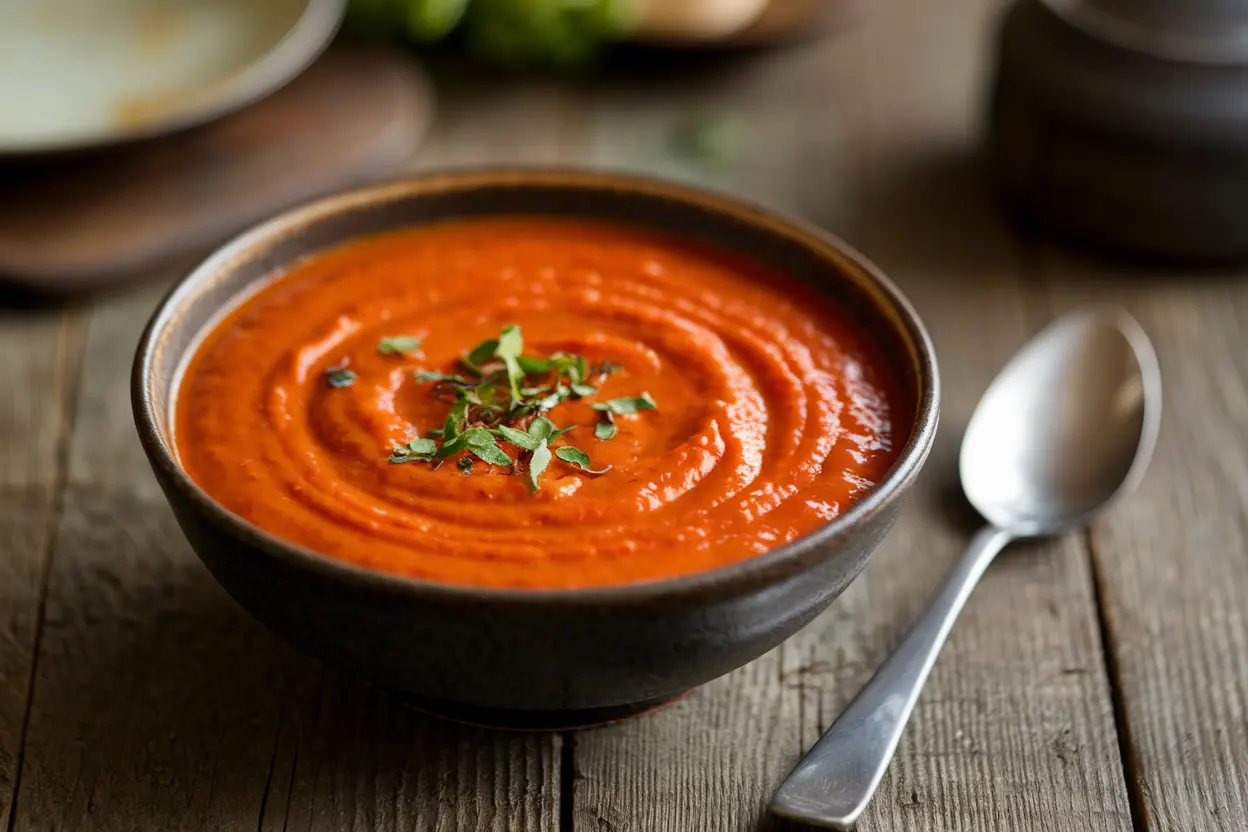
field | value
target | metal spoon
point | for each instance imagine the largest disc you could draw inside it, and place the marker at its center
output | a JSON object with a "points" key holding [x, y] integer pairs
{"points": [[1067, 427]]}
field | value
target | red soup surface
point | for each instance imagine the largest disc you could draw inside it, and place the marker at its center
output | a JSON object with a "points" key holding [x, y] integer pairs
{"points": [[722, 408]]}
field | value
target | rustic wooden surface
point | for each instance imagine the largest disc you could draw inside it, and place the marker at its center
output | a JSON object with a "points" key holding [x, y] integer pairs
{"points": [[1097, 682]]}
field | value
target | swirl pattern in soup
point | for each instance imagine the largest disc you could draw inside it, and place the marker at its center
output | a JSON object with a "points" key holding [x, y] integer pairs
{"points": [[774, 411]]}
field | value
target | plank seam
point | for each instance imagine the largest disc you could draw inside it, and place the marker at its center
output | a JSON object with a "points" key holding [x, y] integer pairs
{"points": [[567, 782], [71, 346], [268, 781], [1122, 725]]}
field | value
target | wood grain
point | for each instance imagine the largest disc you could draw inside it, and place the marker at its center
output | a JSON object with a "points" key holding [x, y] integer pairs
{"points": [[1015, 729], [159, 704], [1171, 559], [40, 350]]}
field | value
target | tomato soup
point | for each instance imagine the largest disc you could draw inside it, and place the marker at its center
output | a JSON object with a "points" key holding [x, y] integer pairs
{"points": [[536, 403]]}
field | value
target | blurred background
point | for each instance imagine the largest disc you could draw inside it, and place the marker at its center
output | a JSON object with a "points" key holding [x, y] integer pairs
{"points": [[1002, 160], [135, 130]]}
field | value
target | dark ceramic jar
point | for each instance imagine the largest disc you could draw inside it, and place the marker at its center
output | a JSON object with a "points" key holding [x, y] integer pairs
{"points": [[1125, 123], [517, 657]]}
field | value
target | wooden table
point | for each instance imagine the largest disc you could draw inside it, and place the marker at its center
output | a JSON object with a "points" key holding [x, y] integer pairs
{"points": [[1098, 682]]}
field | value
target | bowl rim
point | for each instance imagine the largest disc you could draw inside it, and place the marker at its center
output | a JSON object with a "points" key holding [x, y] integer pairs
{"points": [[285, 59], [723, 581]]}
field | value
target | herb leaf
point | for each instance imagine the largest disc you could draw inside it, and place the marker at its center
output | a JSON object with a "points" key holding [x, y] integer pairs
{"points": [[518, 438], [491, 453], [465, 464], [533, 366], [481, 354], [469, 439], [434, 376], [606, 368], [510, 342], [422, 446], [541, 428], [339, 376], [578, 458], [538, 464], [627, 405], [398, 344], [604, 430], [510, 346], [582, 390]]}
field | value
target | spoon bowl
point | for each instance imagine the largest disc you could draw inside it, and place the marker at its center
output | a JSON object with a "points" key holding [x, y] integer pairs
{"points": [[1067, 426]]}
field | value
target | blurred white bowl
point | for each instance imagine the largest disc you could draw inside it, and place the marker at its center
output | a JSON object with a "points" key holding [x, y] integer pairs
{"points": [[83, 73]]}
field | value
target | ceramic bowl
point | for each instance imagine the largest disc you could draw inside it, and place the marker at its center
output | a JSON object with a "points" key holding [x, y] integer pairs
{"points": [[77, 75], [553, 658]]}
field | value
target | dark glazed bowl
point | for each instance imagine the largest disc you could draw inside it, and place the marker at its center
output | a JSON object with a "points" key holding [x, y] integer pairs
{"points": [[520, 657]]}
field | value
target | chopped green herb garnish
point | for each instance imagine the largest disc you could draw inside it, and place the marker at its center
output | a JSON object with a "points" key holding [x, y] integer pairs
{"points": [[504, 398], [480, 355], [430, 375], [422, 446], [533, 366], [398, 345], [518, 438], [491, 453], [541, 428], [578, 458], [627, 405], [537, 464], [339, 376], [606, 368]]}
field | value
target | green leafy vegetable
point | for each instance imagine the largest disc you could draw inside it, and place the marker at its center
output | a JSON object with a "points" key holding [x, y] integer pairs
{"points": [[510, 346], [623, 406], [538, 464], [491, 453], [422, 446], [533, 366], [418, 450], [518, 438], [398, 345], [339, 376], [541, 428], [561, 34], [431, 375], [428, 21], [605, 368], [578, 458], [483, 419], [480, 355]]}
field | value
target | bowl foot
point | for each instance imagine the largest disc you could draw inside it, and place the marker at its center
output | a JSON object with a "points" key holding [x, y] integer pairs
{"points": [[507, 719]]}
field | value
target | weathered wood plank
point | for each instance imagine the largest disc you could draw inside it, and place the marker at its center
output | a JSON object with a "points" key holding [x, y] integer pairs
{"points": [[1015, 729], [353, 759], [1171, 559], [39, 349]]}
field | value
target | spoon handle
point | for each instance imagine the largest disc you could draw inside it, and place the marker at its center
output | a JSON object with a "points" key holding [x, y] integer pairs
{"points": [[835, 780]]}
